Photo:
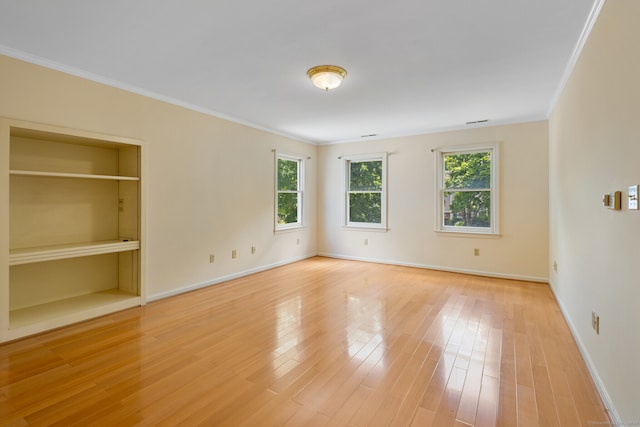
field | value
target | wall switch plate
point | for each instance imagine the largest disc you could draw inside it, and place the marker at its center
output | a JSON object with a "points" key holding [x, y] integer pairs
{"points": [[595, 322], [234, 254], [212, 258], [633, 197], [614, 200], [253, 249]]}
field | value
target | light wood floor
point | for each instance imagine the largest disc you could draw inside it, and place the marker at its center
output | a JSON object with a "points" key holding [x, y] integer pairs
{"points": [[320, 342]]}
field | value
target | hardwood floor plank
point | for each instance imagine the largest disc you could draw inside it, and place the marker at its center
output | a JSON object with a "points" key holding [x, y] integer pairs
{"points": [[349, 407], [471, 391], [486, 416], [386, 411], [527, 409], [507, 404], [438, 384], [321, 342], [545, 401], [423, 418], [345, 383], [228, 410], [446, 412], [73, 410], [8, 415], [372, 404]]}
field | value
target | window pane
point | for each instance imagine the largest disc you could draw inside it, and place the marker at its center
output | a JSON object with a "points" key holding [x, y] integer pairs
{"points": [[365, 207], [287, 175], [365, 176], [287, 208], [468, 170], [467, 208]]}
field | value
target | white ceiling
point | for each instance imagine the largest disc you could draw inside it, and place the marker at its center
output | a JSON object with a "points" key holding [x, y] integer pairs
{"points": [[414, 66]]}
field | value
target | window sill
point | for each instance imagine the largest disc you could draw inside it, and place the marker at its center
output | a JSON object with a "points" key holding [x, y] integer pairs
{"points": [[379, 229], [468, 233], [289, 229]]}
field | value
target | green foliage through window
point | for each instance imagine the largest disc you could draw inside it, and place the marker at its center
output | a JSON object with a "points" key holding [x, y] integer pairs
{"points": [[467, 189], [365, 207], [289, 192], [365, 176], [365, 191]]}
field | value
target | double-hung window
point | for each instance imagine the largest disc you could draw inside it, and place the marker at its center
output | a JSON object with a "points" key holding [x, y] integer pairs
{"points": [[467, 189], [289, 191], [366, 191]]}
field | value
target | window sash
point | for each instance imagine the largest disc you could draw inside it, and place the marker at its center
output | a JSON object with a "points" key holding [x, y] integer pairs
{"points": [[475, 182], [365, 186], [299, 192], [444, 212], [295, 184], [379, 214], [373, 211]]}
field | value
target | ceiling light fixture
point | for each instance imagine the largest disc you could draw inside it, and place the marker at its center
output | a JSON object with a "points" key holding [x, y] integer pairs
{"points": [[327, 76]]}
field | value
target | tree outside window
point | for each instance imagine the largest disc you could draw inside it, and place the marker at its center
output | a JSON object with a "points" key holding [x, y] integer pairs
{"points": [[288, 192], [467, 191], [366, 194]]}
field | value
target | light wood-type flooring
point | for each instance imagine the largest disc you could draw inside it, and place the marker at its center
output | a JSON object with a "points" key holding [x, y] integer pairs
{"points": [[321, 342]]}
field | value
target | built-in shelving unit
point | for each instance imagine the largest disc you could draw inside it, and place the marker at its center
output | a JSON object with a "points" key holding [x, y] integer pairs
{"points": [[71, 242]]}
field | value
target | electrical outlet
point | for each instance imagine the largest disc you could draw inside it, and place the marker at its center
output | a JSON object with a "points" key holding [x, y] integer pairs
{"points": [[234, 254], [212, 258], [555, 266], [476, 252], [595, 322], [253, 249]]}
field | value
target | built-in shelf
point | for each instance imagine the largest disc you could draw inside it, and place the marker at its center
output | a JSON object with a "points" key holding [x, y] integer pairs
{"points": [[69, 310], [52, 253], [72, 175], [72, 245]]}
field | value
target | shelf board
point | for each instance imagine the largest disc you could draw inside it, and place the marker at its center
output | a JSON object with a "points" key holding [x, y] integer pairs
{"points": [[52, 253], [57, 313], [72, 175]]}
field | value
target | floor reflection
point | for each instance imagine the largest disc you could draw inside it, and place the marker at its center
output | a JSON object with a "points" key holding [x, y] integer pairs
{"points": [[288, 324], [365, 325]]}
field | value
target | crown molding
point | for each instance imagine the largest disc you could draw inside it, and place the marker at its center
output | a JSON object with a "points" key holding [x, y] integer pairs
{"points": [[575, 55]]}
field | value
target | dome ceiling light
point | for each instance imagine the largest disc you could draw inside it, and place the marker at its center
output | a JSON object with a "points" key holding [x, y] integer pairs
{"points": [[327, 76]]}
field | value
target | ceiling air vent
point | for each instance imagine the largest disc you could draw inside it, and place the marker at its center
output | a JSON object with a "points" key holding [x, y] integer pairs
{"points": [[475, 122]]}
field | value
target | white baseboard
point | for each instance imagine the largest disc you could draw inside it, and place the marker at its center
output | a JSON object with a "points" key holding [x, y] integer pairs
{"points": [[218, 280], [604, 395], [439, 268]]}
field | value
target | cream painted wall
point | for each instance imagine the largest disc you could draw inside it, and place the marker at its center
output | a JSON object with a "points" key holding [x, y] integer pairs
{"points": [[209, 182], [521, 250], [595, 149]]}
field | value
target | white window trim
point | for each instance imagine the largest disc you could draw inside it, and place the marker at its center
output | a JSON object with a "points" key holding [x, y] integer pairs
{"points": [[301, 189], [494, 147], [382, 225]]}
